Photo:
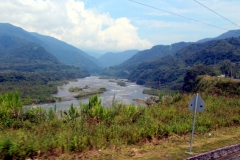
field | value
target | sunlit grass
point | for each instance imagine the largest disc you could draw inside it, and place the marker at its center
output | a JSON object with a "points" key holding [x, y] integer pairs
{"points": [[91, 126]]}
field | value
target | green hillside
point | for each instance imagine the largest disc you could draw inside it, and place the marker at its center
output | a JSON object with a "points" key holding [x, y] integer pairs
{"points": [[152, 54], [62, 51], [69, 54], [15, 51], [28, 68], [217, 86], [168, 72]]}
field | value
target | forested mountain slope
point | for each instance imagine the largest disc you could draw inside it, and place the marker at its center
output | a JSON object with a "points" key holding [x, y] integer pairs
{"points": [[154, 53], [61, 50], [24, 56], [69, 54], [28, 68], [169, 71], [14, 50], [211, 52]]}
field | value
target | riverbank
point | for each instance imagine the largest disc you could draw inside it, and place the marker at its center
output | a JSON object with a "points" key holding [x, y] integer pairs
{"points": [[121, 94]]}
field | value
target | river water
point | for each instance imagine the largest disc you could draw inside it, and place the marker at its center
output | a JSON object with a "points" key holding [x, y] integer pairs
{"points": [[124, 94]]}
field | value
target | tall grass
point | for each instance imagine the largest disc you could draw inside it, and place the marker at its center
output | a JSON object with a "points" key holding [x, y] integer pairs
{"points": [[36, 132], [218, 86]]}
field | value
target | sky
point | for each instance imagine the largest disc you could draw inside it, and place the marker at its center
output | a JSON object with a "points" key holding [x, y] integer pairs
{"points": [[118, 25]]}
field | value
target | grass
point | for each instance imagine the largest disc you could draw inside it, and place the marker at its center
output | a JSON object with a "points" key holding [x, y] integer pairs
{"points": [[119, 132], [218, 86], [173, 147]]}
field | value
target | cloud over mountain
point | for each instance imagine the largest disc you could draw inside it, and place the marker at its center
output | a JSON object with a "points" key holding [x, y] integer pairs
{"points": [[71, 21]]}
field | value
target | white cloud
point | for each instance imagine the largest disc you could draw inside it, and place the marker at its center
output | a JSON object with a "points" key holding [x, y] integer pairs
{"points": [[168, 28], [162, 24], [70, 21]]}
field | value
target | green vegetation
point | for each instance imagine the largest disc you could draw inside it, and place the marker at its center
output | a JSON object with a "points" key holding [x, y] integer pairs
{"points": [[75, 89], [217, 86], [121, 83], [35, 132], [167, 71], [28, 68], [87, 94], [190, 78], [152, 91], [36, 87], [11, 36]]}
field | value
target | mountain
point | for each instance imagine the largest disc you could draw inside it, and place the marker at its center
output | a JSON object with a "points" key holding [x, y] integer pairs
{"points": [[229, 34], [94, 54], [212, 52], [154, 53], [68, 53], [30, 69], [111, 59], [157, 52], [64, 52], [169, 70], [23, 56], [15, 50]]}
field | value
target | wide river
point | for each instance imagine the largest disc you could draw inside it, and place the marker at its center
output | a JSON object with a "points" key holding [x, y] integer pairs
{"points": [[124, 94]]}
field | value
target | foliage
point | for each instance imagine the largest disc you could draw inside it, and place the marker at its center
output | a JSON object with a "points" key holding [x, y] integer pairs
{"points": [[217, 86], [92, 126], [167, 72], [36, 87], [87, 94], [28, 47], [71, 114], [190, 78], [74, 89], [152, 91], [10, 108], [28, 68], [121, 83]]}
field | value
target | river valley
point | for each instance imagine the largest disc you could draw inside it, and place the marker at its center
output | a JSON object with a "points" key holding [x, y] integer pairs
{"points": [[120, 94]]}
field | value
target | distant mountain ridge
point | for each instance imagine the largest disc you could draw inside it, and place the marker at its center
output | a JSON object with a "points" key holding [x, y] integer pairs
{"points": [[160, 51], [152, 54], [111, 59], [61, 50], [157, 52], [229, 34]]}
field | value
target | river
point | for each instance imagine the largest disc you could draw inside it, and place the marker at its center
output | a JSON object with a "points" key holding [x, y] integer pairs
{"points": [[122, 94]]}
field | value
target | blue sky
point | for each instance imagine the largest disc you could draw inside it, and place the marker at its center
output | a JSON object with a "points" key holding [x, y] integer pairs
{"points": [[118, 25]]}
